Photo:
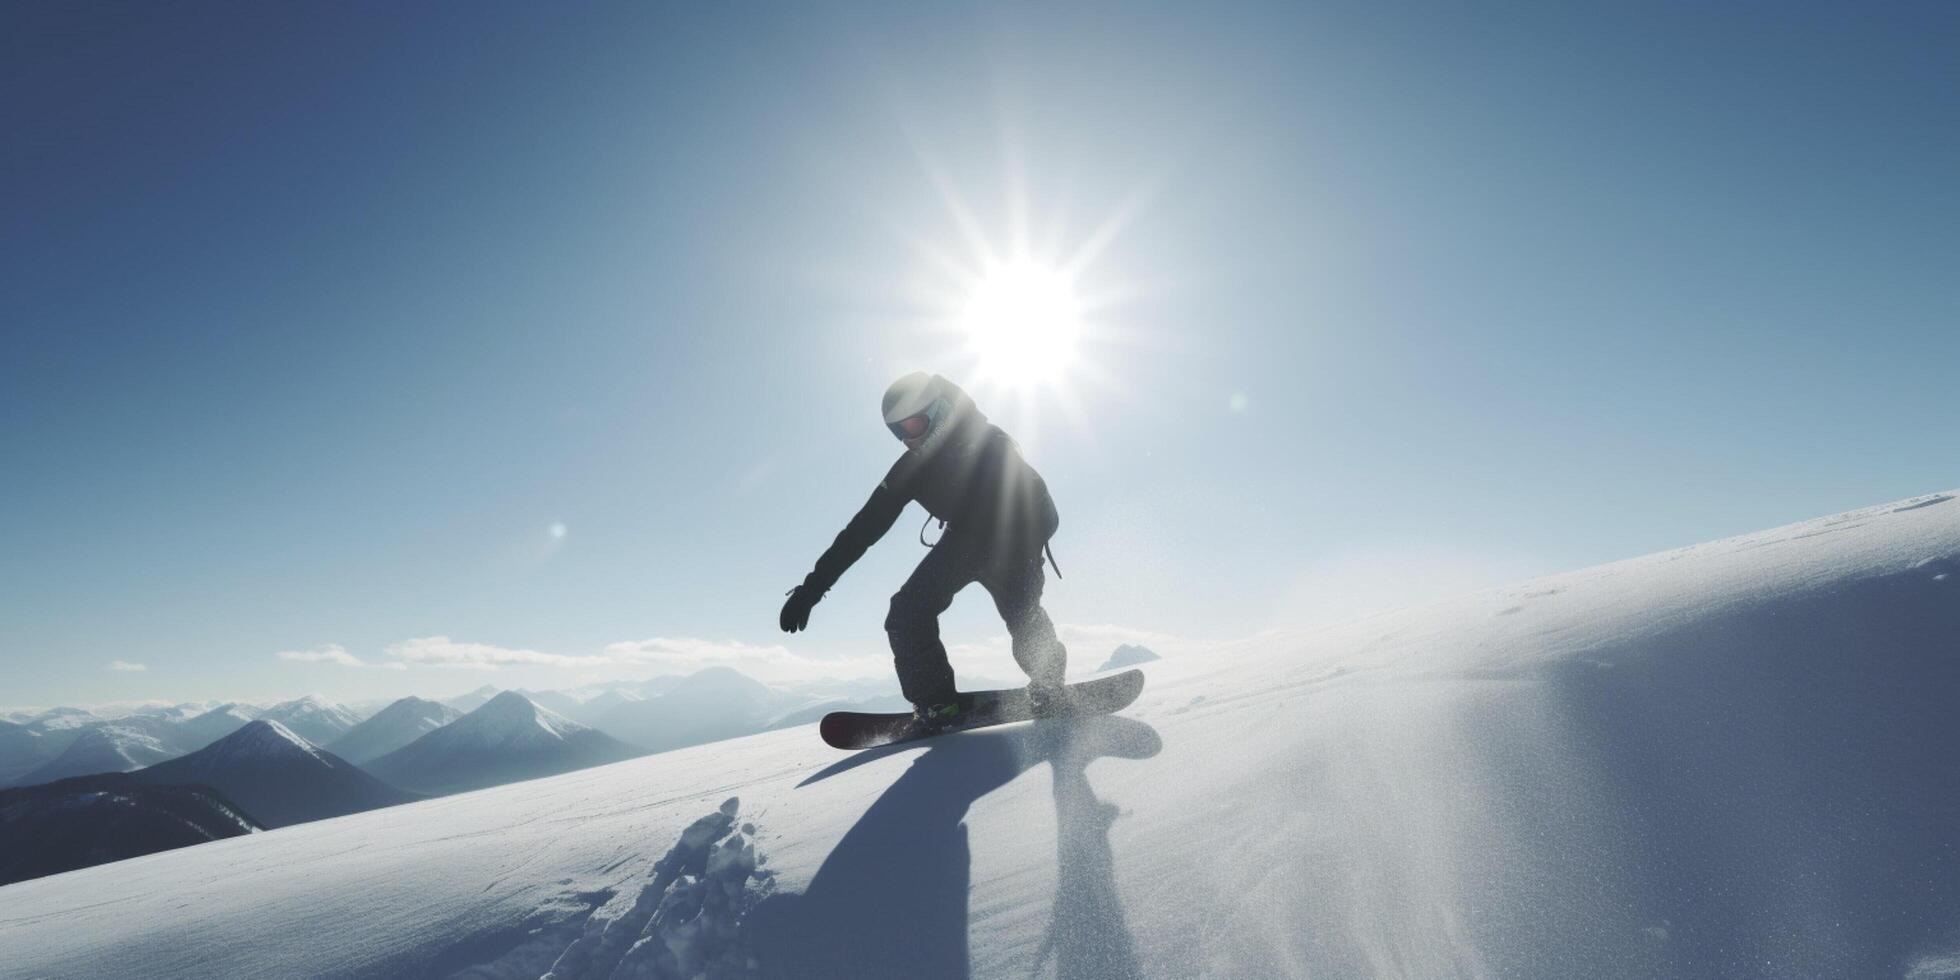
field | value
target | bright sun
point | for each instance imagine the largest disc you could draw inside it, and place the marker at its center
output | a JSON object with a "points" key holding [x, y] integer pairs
{"points": [[1022, 322], [1029, 305]]}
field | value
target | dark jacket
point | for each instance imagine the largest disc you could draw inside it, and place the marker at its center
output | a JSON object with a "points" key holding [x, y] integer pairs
{"points": [[973, 478]]}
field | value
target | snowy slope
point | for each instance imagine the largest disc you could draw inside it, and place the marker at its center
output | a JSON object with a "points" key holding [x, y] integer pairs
{"points": [[391, 728], [1729, 760], [507, 739]]}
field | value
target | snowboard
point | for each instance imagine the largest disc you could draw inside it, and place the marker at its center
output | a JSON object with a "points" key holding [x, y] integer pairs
{"points": [[981, 709]]}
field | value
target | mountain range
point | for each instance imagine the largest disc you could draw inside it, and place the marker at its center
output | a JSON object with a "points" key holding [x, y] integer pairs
{"points": [[263, 775], [66, 742], [313, 718], [116, 746], [660, 714]]}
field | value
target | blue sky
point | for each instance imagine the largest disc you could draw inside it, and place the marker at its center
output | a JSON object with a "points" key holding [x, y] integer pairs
{"points": [[319, 318]]}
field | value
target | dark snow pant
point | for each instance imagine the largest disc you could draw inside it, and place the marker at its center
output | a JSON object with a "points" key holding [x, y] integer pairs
{"points": [[924, 675]]}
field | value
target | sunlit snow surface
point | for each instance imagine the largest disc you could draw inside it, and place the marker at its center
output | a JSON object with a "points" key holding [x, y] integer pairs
{"points": [[1737, 759]]}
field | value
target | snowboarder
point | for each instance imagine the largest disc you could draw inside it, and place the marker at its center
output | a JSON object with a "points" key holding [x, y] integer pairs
{"points": [[996, 517]]}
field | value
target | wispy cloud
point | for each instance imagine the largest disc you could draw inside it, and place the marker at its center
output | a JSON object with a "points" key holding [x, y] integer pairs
{"points": [[128, 667], [332, 653], [441, 651]]}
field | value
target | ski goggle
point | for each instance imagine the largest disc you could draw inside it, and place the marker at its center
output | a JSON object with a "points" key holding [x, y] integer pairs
{"points": [[915, 426], [910, 428]]}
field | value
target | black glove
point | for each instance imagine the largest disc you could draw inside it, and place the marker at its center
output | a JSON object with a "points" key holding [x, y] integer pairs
{"points": [[796, 611]]}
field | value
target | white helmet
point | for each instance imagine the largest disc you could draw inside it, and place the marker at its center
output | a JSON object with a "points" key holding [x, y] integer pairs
{"points": [[914, 407]]}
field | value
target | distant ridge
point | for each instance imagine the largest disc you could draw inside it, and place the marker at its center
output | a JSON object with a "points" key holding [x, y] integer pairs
{"points": [[90, 820], [278, 777], [118, 746], [506, 740], [22, 750], [313, 718], [215, 724], [467, 703], [1128, 655], [706, 706], [391, 728]]}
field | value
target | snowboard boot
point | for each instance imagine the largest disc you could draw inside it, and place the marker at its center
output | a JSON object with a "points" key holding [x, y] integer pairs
{"points": [[937, 717]]}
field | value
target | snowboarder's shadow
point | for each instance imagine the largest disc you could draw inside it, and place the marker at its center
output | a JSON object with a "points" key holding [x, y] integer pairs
{"points": [[891, 899]]}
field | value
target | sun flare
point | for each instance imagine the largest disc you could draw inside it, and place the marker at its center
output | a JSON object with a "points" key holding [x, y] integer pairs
{"points": [[1031, 309], [1022, 322]]}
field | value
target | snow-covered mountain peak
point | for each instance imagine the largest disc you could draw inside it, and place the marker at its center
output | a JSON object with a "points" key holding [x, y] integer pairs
{"points": [[313, 717], [262, 739], [719, 676], [509, 738], [1129, 655], [512, 716], [724, 685], [409, 703], [394, 726], [276, 775]]}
